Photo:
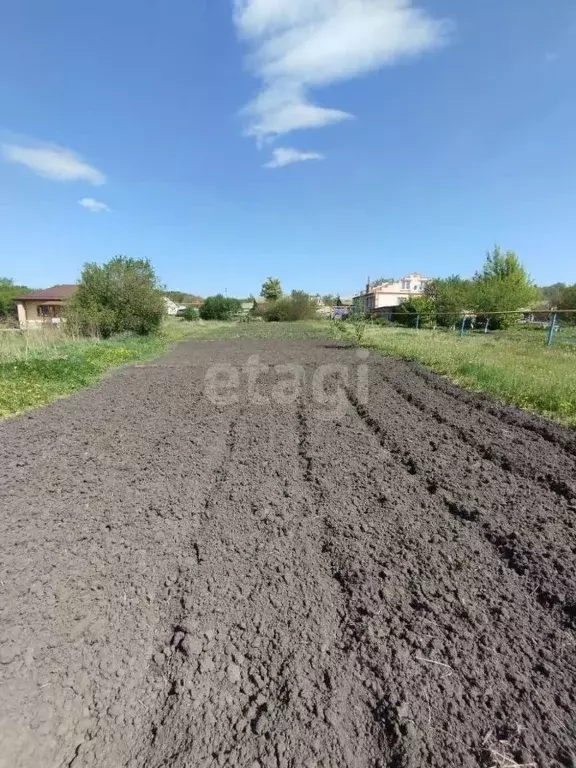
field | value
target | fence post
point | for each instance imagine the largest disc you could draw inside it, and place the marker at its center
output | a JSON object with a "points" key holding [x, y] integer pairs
{"points": [[417, 322], [462, 326], [551, 329], [487, 325]]}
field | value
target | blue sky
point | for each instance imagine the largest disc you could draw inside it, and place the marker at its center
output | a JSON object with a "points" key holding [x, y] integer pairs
{"points": [[320, 142]]}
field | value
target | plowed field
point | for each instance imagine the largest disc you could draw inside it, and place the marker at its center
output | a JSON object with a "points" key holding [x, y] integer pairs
{"points": [[336, 562]]}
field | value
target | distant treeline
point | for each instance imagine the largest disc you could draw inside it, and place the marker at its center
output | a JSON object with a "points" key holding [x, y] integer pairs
{"points": [[180, 297]]}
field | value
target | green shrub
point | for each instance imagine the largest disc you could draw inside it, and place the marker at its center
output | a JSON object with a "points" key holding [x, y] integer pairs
{"points": [[220, 307], [298, 306], [190, 314], [408, 311], [122, 295]]}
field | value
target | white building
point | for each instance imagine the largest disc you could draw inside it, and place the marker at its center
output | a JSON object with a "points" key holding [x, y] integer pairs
{"points": [[171, 307], [381, 299]]}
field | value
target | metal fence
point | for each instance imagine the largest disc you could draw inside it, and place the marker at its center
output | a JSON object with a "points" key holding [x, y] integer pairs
{"points": [[557, 327]]}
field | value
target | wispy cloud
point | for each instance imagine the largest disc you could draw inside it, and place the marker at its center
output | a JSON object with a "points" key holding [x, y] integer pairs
{"points": [[53, 162], [286, 156], [94, 206], [299, 45]]}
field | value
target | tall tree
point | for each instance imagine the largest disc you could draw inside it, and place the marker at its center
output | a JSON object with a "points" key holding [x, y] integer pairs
{"points": [[503, 285], [271, 289]]}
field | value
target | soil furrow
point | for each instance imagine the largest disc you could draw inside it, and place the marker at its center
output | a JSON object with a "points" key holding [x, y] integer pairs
{"points": [[485, 406], [522, 533], [499, 457]]}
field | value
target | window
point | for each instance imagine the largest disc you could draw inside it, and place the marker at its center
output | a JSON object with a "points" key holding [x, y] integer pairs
{"points": [[49, 310], [405, 285]]}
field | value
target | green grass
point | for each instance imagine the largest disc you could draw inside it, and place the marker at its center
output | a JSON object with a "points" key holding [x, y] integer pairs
{"points": [[45, 364], [27, 383], [305, 329], [514, 367]]}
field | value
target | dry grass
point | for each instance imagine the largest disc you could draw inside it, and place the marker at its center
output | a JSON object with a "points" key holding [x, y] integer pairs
{"points": [[45, 342]]}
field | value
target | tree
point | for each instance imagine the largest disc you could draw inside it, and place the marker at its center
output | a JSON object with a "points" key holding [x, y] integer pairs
{"points": [[220, 307], [382, 280], [180, 297], [122, 295], [8, 292], [503, 285], [271, 289], [568, 300], [553, 294], [451, 297], [328, 299]]}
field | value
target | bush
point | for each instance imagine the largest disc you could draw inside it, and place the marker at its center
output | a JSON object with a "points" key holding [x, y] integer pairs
{"points": [[190, 314], [408, 311], [451, 297], [220, 308], [298, 306], [122, 295]]}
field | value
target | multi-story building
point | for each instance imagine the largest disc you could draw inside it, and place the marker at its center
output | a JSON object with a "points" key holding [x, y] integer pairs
{"points": [[382, 298]]}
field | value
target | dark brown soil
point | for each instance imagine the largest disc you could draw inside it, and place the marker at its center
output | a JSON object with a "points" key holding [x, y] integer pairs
{"points": [[189, 584]]}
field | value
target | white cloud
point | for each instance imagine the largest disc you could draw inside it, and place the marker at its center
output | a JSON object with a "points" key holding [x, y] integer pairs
{"points": [[286, 156], [94, 206], [53, 162], [284, 109], [298, 45]]}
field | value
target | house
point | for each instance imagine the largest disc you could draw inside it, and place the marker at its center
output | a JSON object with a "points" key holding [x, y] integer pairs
{"points": [[171, 308], [246, 307], [341, 308], [383, 298], [41, 307]]}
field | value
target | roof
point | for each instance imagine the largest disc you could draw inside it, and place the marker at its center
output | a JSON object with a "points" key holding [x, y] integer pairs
{"points": [[55, 293]]}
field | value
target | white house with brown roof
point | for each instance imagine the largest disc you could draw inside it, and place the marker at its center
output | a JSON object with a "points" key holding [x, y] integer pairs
{"points": [[386, 296], [40, 307]]}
